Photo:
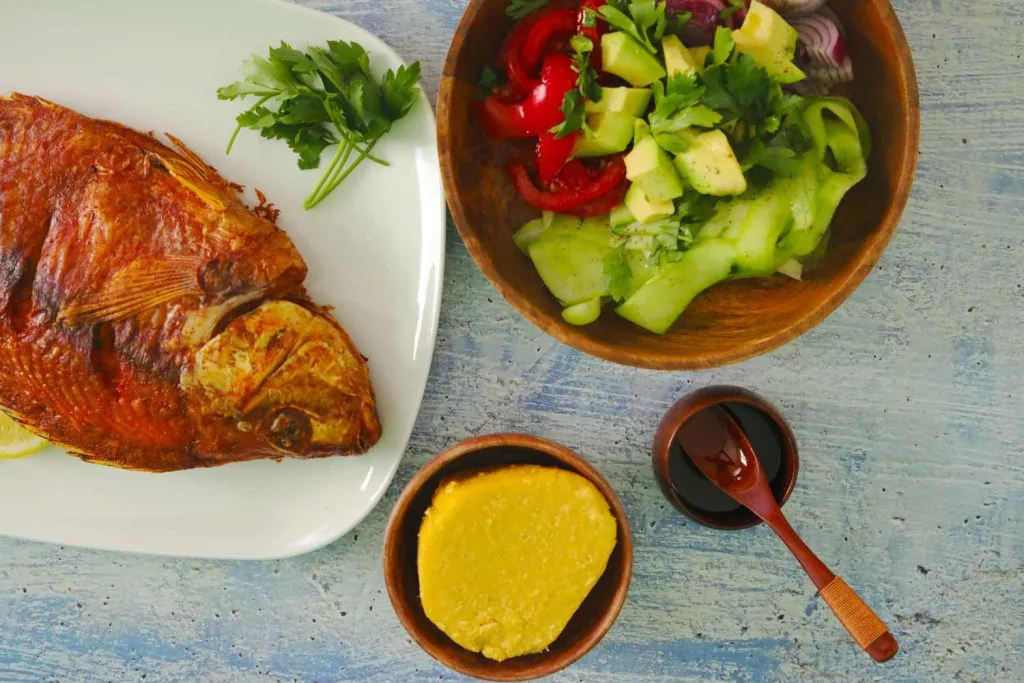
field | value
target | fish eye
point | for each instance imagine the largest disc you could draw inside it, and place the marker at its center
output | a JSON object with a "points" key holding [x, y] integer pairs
{"points": [[289, 430]]}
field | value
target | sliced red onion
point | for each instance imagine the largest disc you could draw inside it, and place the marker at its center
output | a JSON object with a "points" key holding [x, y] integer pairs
{"points": [[821, 52], [795, 7], [705, 17]]}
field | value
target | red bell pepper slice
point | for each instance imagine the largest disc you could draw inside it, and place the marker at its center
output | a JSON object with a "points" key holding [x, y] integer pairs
{"points": [[571, 200], [539, 112], [556, 23], [553, 153]]}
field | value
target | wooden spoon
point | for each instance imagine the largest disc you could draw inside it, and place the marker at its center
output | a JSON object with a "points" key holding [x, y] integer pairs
{"points": [[716, 444]]}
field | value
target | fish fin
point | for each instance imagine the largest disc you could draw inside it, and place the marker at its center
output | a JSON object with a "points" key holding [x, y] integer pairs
{"points": [[191, 172], [208, 172], [139, 287]]}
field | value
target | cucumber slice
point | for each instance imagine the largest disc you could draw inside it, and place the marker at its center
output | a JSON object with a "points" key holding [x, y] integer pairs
{"points": [[570, 260], [661, 300], [528, 233], [584, 313], [769, 216]]}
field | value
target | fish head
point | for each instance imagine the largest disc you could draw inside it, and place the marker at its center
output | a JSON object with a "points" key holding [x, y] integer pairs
{"points": [[284, 380]]}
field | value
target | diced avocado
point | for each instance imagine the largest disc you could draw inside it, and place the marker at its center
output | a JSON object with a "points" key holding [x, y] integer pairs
{"points": [[570, 260], [650, 167], [700, 55], [641, 130], [529, 232], [770, 42], [711, 167], [613, 133], [583, 313], [623, 56], [657, 304], [620, 215], [678, 60], [643, 208], [632, 101]]}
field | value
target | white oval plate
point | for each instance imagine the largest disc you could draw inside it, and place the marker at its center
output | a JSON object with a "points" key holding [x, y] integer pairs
{"points": [[375, 250]]}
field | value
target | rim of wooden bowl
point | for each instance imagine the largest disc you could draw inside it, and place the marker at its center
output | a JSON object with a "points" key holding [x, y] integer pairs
{"points": [[865, 257]]}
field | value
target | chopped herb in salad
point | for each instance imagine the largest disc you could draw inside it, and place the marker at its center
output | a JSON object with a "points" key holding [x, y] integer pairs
{"points": [[672, 145]]}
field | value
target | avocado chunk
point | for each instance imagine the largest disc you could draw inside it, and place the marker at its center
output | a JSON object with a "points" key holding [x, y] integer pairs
{"points": [[657, 304], [650, 167], [632, 101], [770, 42], [570, 259], [678, 60], [645, 209], [613, 132], [700, 55], [583, 313], [625, 57], [710, 165]]}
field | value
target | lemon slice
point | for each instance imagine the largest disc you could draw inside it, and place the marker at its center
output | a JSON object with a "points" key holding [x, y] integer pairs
{"points": [[16, 441]]}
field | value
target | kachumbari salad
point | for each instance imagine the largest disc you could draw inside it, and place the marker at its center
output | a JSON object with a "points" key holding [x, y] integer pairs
{"points": [[674, 144]]}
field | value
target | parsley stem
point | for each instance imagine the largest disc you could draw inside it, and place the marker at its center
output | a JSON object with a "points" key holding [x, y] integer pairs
{"points": [[364, 154], [340, 158], [238, 128]]}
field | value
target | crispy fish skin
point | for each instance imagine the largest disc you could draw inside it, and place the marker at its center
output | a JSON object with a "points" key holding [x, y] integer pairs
{"points": [[148, 319]]}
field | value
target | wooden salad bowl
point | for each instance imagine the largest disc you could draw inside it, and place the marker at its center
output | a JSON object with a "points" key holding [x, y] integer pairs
{"points": [[731, 321]]}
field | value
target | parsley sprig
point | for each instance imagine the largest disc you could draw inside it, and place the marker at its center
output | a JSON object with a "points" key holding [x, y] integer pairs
{"points": [[322, 97], [573, 104], [645, 20], [676, 109], [750, 102]]}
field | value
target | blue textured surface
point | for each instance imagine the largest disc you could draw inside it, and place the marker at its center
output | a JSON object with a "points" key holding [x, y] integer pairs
{"points": [[907, 404]]}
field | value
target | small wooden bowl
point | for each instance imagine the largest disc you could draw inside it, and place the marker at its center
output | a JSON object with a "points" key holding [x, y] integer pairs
{"points": [[688, 406], [591, 621], [732, 321]]}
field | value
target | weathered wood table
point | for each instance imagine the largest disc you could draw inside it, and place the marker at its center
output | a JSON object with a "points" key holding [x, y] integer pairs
{"points": [[908, 404]]}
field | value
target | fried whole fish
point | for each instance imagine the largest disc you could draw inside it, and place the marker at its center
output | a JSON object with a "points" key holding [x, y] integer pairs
{"points": [[148, 319]]}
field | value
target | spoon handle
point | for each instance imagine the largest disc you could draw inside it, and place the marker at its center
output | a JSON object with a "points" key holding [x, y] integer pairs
{"points": [[867, 629], [860, 621]]}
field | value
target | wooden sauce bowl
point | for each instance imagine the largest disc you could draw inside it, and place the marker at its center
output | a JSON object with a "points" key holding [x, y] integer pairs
{"points": [[590, 622], [731, 321], [682, 410]]}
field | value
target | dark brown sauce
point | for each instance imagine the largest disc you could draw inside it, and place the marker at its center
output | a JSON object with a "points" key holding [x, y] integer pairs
{"points": [[693, 487]]}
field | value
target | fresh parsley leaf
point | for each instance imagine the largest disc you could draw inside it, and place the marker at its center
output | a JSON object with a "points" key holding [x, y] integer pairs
{"points": [[616, 268], [321, 97], [646, 21], [723, 46], [677, 108], [399, 90], [682, 91], [517, 9], [750, 102], [587, 88]]}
